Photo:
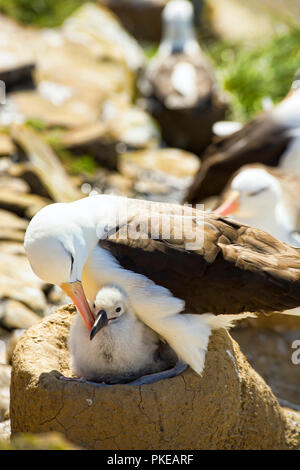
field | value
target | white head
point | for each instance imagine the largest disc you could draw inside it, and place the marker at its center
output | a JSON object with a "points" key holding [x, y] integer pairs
{"points": [[178, 28], [57, 242], [253, 193], [110, 305]]}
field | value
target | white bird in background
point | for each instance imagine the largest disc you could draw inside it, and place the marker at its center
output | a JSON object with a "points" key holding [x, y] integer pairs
{"points": [[119, 348], [266, 198], [271, 138], [203, 263]]}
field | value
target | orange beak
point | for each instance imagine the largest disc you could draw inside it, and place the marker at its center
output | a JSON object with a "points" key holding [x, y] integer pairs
{"points": [[75, 291], [230, 205]]}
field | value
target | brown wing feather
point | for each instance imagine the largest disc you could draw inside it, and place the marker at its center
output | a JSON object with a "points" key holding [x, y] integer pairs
{"points": [[237, 269], [261, 140]]}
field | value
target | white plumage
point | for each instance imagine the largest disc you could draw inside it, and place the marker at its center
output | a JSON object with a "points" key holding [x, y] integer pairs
{"points": [[62, 245], [261, 204], [123, 349]]}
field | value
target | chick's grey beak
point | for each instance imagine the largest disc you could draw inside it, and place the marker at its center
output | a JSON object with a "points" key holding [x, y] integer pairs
{"points": [[100, 322]]}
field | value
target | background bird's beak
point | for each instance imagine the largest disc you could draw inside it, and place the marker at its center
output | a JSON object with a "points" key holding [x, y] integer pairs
{"points": [[230, 205], [100, 322], [75, 291]]}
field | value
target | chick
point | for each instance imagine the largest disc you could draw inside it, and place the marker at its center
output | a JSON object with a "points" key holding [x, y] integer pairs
{"points": [[119, 348]]}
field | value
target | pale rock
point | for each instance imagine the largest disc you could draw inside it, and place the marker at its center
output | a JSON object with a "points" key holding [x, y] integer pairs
{"points": [[46, 165], [22, 204], [15, 315], [4, 431], [5, 374]]}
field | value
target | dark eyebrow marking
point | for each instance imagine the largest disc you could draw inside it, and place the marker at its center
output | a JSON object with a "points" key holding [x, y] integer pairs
{"points": [[254, 193], [72, 261]]}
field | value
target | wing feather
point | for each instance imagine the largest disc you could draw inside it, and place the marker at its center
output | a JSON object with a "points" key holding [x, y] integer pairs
{"points": [[230, 269]]}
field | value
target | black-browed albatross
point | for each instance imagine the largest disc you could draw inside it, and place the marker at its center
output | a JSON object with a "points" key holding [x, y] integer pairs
{"points": [[271, 138], [266, 198], [119, 348], [213, 265], [179, 86]]}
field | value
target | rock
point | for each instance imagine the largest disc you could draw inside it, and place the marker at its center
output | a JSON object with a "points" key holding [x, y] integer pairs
{"points": [[12, 248], [6, 145], [22, 204], [3, 352], [122, 127], [56, 295], [17, 76], [45, 165], [12, 227], [4, 402], [272, 359], [4, 434], [12, 183], [5, 371], [14, 314], [10, 220], [16, 58], [18, 268], [230, 407], [15, 289], [13, 339], [142, 19], [14, 43], [31, 105], [162, 174], [93, 140], [92, 24]]}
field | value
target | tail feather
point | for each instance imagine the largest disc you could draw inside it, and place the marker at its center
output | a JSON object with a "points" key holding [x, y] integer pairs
{"points": [[293, 311], [225, 321]]}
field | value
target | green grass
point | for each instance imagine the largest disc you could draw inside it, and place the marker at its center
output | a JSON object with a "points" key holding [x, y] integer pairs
{"points": [[250, 73], [77, 164], [42, 13]]}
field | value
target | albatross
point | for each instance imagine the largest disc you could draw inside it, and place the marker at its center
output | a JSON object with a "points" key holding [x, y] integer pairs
{"points": [[185, 271], [266, 198], [179, 86], [119, 348], [272, 138]]}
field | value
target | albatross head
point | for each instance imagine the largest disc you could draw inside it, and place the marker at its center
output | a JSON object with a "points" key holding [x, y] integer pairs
{"points": [[178, 28], [109, 306], [58, 242], [253, 192]]}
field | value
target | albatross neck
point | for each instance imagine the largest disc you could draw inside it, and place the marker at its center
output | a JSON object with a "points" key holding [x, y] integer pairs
{"points": [[178, 37]]}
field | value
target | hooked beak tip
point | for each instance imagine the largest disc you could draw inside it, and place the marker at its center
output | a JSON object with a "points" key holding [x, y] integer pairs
{"points": [[100, 322]]}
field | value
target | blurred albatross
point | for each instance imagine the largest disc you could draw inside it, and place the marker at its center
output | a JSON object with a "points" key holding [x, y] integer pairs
{"points": [[172, 278], [266, 198]]}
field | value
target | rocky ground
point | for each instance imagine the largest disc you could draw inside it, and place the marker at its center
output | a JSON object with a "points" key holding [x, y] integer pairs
{"points": [[69, 99], [71, 128]]}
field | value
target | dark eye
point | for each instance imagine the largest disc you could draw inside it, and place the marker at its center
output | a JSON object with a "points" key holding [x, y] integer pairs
{"points": [[118, 309]]}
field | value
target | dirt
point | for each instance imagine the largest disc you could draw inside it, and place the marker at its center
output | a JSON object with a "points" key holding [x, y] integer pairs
{"points": [[229, 407]]}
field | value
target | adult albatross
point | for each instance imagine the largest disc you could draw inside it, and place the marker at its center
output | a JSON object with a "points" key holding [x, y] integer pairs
{"points": [[175, 263]]}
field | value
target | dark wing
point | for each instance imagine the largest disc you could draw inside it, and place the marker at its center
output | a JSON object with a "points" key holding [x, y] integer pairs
{"points": [[261, 140], [237, 269]]}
